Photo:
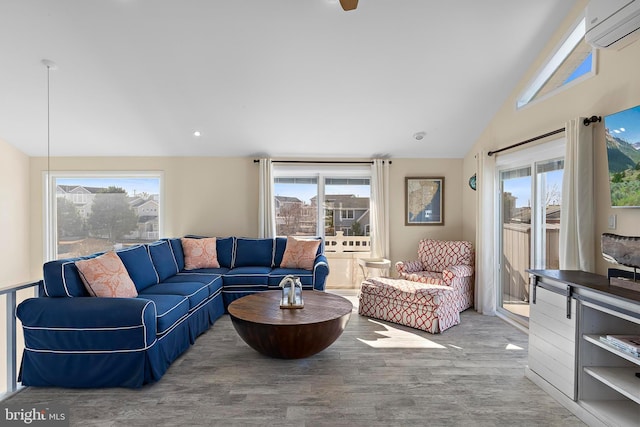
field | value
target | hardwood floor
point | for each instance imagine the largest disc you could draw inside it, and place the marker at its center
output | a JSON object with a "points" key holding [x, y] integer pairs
{"points": [[375, 374]]}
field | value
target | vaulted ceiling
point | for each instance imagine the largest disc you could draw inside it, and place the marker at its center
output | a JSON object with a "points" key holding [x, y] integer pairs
{"points": [[286, 78]]}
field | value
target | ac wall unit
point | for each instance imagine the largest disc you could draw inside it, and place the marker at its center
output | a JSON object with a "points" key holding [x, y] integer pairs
{"points": [[612, 23]]}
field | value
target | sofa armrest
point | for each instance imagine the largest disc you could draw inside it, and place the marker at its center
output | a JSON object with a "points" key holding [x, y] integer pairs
{"points": [[320, 272], [87, 324], [407, 267]]}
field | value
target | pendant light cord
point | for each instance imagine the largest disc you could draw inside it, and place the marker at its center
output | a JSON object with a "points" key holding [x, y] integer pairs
{"points": [[48, 191], [48, 128], [50, 66]]}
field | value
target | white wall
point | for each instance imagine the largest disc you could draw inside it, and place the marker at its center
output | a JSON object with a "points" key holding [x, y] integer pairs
{"points": [[14, 250], [14, 216], [615, 87]]}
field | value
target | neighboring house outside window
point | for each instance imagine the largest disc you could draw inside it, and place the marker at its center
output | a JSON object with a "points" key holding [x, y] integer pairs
{"points": [[96, 212], [353, 213]]}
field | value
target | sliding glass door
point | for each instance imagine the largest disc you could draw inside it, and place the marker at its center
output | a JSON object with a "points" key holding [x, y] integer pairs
{"points": [[515, 229], [530, 196]]}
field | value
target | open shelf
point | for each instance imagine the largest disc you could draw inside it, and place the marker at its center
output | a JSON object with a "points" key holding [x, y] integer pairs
{"points": [[595, 339], [614, 412], [622, 380]]}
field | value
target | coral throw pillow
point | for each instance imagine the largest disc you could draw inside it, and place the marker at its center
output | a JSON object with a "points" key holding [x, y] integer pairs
{"points": [[200, 253], [106, 276], [299, 253]]}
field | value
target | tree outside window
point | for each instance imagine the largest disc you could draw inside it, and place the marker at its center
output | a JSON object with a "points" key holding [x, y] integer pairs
{"points": [[97, 214]]}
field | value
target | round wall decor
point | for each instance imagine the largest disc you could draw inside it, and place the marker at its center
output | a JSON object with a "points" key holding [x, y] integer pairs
{"points": [[472, 182]]}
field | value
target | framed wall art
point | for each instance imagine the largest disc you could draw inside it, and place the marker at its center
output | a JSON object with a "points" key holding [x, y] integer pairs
{"points": [[424, 201]]}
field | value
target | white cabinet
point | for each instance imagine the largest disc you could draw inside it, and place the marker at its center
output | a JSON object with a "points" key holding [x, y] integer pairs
{"points": [[552, 341], [591, 378], [607, 384]]}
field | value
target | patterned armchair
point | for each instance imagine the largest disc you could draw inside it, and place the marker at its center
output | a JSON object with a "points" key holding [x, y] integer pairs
{"points": [[440, 262]]}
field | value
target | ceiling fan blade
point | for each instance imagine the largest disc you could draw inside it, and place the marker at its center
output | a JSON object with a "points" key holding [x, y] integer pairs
{"points": [[349, 4]]}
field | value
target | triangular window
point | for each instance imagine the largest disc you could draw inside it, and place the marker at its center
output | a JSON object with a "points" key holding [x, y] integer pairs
{"points": [[572, 61]]}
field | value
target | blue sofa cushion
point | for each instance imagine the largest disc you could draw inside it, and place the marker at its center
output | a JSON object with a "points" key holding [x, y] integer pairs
{"points": [[163, 259], [225, 247], [62, 279], [178, 253], [195, 291], [254, 252], [247, 276], [139, 265], [281, 245], [277, 274], [170, 309], [213, 280]]}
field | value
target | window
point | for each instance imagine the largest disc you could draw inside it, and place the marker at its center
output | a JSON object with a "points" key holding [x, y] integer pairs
{"points": [[296, 206], [322, 201], [571, 62], [347, 213], [330, 201], [96, 212]]}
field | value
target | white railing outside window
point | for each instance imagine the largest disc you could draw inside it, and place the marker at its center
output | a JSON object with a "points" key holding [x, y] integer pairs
{"points": [[342, 253], [341, 243]]}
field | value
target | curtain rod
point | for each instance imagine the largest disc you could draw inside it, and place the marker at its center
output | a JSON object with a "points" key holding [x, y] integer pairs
{"points": [[323, 162], [587, 121]]}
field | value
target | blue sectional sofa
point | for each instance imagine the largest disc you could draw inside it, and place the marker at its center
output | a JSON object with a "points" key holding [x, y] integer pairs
{"points": [[75, 340]]}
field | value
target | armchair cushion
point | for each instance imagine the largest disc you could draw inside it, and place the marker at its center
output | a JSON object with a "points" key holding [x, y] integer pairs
{"points": [[409, 266], [428, 277]]}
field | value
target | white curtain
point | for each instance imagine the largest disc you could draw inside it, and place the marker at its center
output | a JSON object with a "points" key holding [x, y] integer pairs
{"points": [[577, 250], [486, 280], [380, 208], [266, 209]]}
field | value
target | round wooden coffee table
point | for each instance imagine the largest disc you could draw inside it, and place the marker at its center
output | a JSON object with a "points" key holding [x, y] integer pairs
{"points": [[290, 333]]}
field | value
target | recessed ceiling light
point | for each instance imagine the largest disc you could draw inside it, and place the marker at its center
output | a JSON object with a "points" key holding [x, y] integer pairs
{"points": [[418, 136], [197, 133]]}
